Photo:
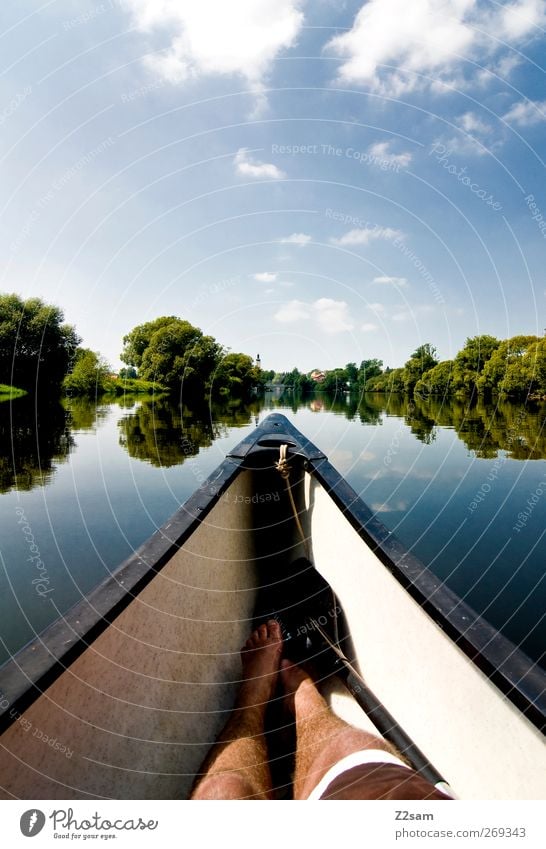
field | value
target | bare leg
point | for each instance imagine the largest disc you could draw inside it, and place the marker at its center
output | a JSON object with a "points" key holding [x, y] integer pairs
{"points": [[237, 766], [322, 738]]}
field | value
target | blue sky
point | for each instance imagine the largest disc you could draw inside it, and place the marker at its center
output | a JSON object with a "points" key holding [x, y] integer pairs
{"points": [[320, 182]]}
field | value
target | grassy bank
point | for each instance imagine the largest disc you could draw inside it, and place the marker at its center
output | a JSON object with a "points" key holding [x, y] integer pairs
{"points": [[8, 393]]}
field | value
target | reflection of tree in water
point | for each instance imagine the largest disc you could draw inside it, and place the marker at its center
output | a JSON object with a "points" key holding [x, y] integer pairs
{"points": [[32, 440], [485, 428], [234, 413], [155, 432], [165, 434], [421, 424], [84, 413]]}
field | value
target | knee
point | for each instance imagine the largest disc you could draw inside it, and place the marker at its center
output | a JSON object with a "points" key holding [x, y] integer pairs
{"points": [[229, 786]]}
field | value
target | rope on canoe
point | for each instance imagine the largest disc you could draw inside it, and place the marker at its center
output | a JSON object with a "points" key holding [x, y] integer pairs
{"points": [[284, 470]]}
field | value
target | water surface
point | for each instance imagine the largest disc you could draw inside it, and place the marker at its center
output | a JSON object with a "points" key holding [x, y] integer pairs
{"points": [[83, 484]]}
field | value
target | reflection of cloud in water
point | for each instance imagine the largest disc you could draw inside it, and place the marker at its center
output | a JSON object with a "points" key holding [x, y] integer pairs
{"points": [[395, 507], [376, 475], [342, 460]]}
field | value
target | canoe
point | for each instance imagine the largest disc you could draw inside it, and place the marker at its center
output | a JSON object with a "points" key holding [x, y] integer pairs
{"points": [[123, 695]]}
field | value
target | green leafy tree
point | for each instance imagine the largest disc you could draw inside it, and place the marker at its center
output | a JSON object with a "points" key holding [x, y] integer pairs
{"points": [[173, 353], [36, 347], [437, 380], [422, 360], [129, 373], [351, 372], [138, 340], [335, 381], [390, 381], [368, 370], [470, 362], [236, 375], [299, 382], [517, 368], [89, 374]]}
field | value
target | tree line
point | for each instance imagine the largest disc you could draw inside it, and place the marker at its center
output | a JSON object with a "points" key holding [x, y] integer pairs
{"points": [[39, 351], [485, 366]]}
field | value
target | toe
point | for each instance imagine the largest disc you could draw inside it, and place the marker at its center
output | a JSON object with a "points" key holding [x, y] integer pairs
{"points": [[262, 632], [250, 644], [274, 629]]}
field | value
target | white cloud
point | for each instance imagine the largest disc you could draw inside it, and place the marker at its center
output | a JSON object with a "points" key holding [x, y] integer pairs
{"points": [[218, 37], [527, 112], [393, 42], [472, 123], [332, 316], [377, 308], [382, 151], [367, 234], [475, 139], [249, 168], [300, 239], [292, 311], [391, 281], [518, 19], [368, 327], [329, 316], [265, 277]]}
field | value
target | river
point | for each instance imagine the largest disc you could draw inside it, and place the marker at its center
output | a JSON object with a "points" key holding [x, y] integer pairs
{"points": [[463, 485]]}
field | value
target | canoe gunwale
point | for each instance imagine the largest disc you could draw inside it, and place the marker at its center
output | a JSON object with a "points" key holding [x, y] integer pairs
{"points": [[38, 664]]}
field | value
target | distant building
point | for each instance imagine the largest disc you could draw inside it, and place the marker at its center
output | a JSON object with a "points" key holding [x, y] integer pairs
{"points": [[317, 376]]}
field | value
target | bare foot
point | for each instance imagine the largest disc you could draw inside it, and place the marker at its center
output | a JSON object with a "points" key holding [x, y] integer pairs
{"points": [[292, 677], [261, 657]]}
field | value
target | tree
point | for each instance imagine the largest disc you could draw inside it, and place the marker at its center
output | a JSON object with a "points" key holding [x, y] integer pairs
{"points": [[36, 348], [517, 368], [471, 361], [335, 381], [422, 359], [173, 353], [236, 375], [437, 380], [138, 340], [391, 381], [351, 372], [129, 373], [89, 374], [299, 382], [369, 369]]}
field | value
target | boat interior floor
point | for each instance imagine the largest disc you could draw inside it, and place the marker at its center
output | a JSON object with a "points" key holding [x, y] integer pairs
{"points": [[294, 593], [303, 604]]}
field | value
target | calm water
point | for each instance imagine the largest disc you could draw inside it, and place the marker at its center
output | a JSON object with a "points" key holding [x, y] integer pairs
{"points": [[463, 486]]}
